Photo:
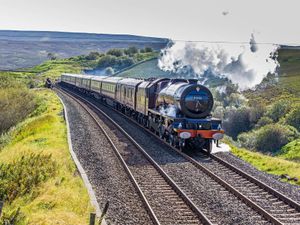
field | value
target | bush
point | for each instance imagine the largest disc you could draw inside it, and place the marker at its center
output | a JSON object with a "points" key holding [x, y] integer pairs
{"points": [[148, 49], [237, 121], [124, 62], [263, 121], [278, 109], [247, 140], [115, 52], [93, 56], [291, 151], [114, 62], [256, 114], [273, 137], [15, 105], [131, 51], [107, 61], [293, 117], [22, 175]]}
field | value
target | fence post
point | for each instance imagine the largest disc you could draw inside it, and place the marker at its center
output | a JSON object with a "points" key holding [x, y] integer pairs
{"points": [[92, 218], [104, 212]]}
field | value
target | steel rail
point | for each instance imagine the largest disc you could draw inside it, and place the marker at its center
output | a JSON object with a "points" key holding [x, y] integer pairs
{"points": [[222, 182], [166, 177]]}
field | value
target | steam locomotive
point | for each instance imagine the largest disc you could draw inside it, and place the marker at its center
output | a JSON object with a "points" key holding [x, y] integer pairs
{"points": [[178, 110]]}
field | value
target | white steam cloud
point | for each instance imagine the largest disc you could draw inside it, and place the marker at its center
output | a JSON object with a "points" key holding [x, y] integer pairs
{"points": [[169, 110], [245, 65]]}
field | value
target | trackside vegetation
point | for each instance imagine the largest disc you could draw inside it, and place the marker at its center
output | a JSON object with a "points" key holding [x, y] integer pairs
{"points": [[263, 125], [39, 182]]}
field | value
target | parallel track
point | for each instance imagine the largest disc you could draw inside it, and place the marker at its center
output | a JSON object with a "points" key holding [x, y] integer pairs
{"points": [[281, 209], [157, 190]]}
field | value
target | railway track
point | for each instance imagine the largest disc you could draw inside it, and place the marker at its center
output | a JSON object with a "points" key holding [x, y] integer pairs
{"points": [[278, 208], [269, 203], [166, 203]]}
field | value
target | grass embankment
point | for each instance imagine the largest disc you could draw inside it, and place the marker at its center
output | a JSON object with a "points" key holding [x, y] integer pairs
{"points": [[50, 191], [287, 160], [270, 164]]}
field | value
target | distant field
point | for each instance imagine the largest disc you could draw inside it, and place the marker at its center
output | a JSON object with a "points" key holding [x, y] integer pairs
{"points": [[21, 49], [289, 72], [145, 69]]}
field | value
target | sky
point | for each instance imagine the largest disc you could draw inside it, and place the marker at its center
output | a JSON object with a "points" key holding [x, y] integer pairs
{"points": [[189, 20]]}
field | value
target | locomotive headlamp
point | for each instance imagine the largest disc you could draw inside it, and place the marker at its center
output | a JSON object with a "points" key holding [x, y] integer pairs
{"points": [[185, 135]]}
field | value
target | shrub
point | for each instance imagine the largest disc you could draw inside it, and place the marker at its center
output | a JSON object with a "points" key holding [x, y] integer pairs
{"points": [[278, 109], [93, 56], [291, 151], [247, 140], [107, 61], [115, 52], [263, 121], [272, 137], [256, 113], [15, 105], [293, 117], [148, 49], [22, 175], [124, 62], [131, 51], [237, 121]]}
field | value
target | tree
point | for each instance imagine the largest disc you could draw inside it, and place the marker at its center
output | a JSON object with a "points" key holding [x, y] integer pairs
{"points": [[131, 51], [148, 49], [124, 62], [93, 56], [51, 56], [115, 52], [237, 121], [107, 61]]}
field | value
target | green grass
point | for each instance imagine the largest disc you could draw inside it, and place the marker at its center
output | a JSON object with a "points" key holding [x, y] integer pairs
{"points": [[291, 151], [62, 198], [145, 69], [269, 164], [286, 161], [290, 69]]}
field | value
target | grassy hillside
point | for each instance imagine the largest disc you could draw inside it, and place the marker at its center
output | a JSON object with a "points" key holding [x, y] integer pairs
{"points": [[144, 69], [289, 78], [38, 179], [21, 49], [278, 108]]}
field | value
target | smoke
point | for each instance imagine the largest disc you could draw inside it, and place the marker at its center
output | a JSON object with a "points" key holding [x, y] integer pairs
{"points": [[253, 44], [169, 110], [245, 65]]}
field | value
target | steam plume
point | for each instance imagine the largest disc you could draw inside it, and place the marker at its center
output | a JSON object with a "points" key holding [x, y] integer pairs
{"points": [[244, 65]]}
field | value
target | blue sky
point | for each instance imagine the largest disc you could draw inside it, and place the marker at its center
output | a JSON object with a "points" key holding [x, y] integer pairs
{"points": [[226, 20]]}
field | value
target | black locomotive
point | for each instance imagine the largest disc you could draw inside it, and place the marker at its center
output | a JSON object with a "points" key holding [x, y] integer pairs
{"points": [[176, 109]]}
